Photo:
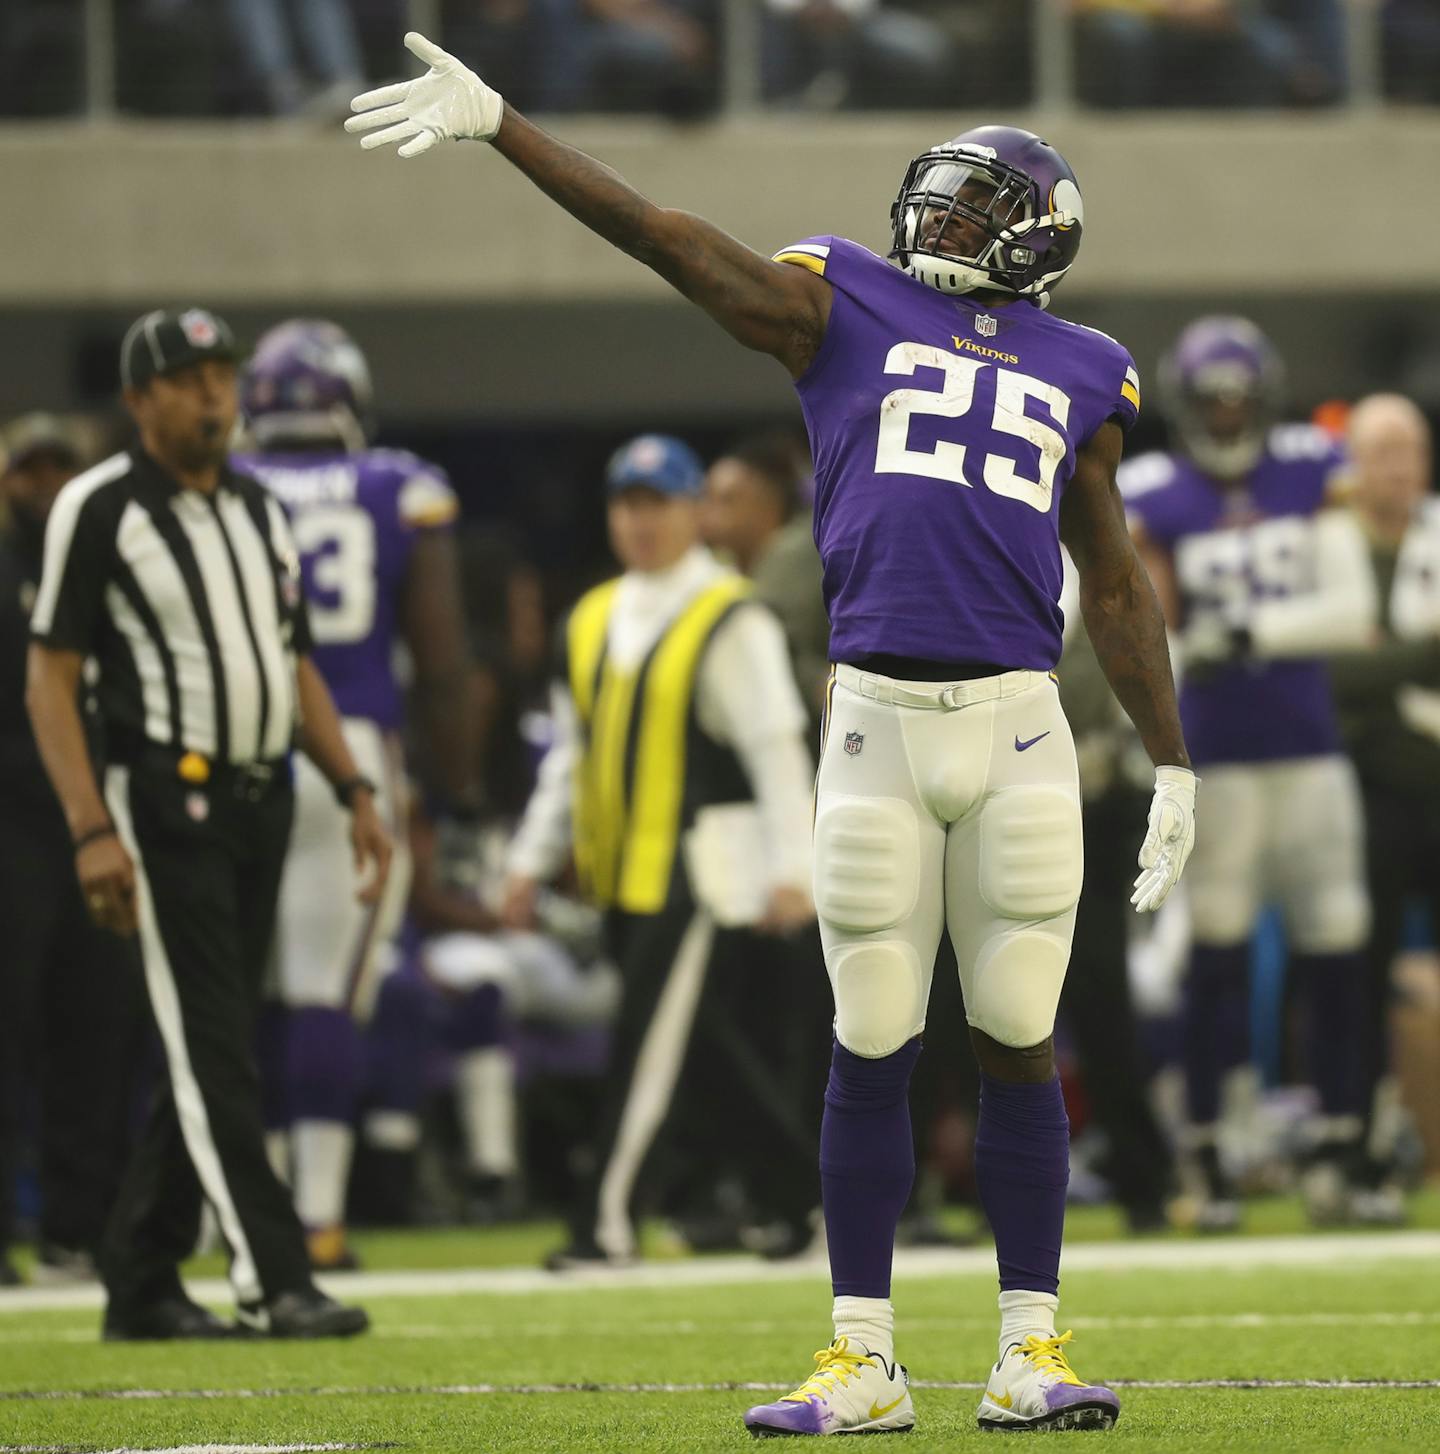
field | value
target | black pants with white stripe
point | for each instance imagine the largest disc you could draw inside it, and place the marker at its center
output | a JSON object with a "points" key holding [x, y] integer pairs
{"points": [[208, 861], [675, 1020]]}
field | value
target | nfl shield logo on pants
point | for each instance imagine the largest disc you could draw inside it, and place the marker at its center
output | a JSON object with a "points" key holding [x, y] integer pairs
{"points": [[985, 325], [854, 741]]}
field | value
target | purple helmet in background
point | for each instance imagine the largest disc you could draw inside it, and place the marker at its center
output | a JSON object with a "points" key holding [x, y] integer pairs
{"points": [[1222, 386], [307, 383], [1016, 188]]}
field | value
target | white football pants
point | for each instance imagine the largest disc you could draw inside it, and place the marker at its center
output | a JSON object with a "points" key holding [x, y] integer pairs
{"points": [[946, 804], [1291, 833], [327, 946]]}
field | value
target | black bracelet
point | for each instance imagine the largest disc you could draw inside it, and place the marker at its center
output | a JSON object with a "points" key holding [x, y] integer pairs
{"points": [[345, 792], [106, 830]]}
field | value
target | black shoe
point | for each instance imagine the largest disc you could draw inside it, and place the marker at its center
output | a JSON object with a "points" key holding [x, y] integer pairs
{"points": [[1147, 1218], [175, 1317], [57, 1264], [304, 1314], [583, 1254]]}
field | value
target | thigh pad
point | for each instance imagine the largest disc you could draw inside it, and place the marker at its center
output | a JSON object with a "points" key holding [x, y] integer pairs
{"points": [[1032, 858], [867, 862]]}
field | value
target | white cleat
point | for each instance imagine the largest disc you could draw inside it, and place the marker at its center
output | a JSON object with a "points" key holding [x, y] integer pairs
{"points": [[852, 1391], [1034, 1387]]}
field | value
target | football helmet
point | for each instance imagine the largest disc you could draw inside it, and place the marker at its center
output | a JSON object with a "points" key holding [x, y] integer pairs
{"points": [[994, 208], [308, 383], [1222, 385]]}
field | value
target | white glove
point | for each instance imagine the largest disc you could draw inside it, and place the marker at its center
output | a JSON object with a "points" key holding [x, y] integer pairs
{"points": [[448, 103], [1170, 838]]}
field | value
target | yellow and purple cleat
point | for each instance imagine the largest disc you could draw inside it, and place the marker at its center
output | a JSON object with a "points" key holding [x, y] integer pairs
{"points": [[852, 1391], [1034, 1387]]}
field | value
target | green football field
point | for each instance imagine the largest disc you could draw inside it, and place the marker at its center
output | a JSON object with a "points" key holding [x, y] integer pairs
{"points": [[1275, 1341]]}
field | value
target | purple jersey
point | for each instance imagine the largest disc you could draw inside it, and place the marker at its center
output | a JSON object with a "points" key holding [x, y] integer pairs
{"points": [[355, 518], [943, 433], [1231, 549]]}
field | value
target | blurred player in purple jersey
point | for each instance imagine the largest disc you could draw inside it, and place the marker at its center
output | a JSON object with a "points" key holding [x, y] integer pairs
{"points": [[373, 528], [1259, 579], [959, 431]]}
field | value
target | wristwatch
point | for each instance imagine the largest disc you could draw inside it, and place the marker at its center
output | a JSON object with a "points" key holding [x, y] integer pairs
{"points": [[346, 791]]}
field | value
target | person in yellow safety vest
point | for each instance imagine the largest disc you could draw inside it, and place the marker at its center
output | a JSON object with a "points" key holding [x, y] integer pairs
{"points": [[680, 781]]}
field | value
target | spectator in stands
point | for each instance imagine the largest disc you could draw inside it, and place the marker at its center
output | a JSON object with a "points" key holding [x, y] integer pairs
{"points": [[42, 68], [1209, 52], [622, 55], [1411, 41], [822, 54], [274, 34], [1389, 698], [754, 512]]}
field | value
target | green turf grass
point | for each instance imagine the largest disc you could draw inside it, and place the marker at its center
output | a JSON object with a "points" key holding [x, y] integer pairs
{"points": [[1348, 1320]]}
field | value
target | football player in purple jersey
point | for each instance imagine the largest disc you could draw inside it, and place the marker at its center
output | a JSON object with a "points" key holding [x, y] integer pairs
{"points": [[373, 528], [1259, 579], [958, 431]]}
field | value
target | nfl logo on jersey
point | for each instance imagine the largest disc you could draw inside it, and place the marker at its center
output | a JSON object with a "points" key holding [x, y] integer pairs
{"points": [[985, 325], [854, 741]]}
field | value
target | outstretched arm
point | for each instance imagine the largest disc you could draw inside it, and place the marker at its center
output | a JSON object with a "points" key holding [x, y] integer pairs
{"points": [[768, 306], [1127, 629]]}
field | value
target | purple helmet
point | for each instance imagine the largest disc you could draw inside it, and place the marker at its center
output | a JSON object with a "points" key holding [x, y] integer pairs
{"points": [[1017, 189], [1222, 385], [307, 382]]}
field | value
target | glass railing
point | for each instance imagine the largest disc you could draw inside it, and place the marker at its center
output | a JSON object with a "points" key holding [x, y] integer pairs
{"points": [[698, 58]]}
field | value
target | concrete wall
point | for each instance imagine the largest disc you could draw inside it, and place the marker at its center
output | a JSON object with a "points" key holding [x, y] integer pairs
{"points": [[130, 213], [477, 298]]}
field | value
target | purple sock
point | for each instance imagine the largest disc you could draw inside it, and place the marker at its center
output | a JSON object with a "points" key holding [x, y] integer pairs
{"points": [[1022, 1167], [1334, 986], [477, 1019], [1217, 1024], [399, 1044], [867, 1165], [322, 1064]]}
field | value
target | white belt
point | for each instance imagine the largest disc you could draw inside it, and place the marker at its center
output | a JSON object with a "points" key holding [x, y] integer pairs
{"points": [[939, 696]]}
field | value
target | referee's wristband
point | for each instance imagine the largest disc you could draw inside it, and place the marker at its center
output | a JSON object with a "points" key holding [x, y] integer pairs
{"points": [[346, 791], [105, 830]]}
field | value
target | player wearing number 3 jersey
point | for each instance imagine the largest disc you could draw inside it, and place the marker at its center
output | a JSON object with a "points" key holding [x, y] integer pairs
{"points": [[959, 433], [373, 530]]}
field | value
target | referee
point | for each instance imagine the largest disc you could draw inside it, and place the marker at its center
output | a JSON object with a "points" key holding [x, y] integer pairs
{"points": [[178, 577]]}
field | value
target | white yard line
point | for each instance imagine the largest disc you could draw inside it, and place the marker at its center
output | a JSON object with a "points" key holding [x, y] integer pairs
{"points": [[452, 1332], [189, 1449], [1237, 1254], [472, 1390]]}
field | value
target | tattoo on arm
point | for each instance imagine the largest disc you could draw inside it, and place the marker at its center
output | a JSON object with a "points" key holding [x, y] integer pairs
{"points": [[768, 306], [1118, 602]]}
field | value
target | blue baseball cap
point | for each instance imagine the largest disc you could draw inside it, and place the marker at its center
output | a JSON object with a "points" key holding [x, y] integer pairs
{"points": [[656, 462]]}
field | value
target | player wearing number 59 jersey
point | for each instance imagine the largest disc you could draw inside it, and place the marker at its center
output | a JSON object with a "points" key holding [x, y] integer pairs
{"points": [[373, 530], [958, 434], [1260, 579]]}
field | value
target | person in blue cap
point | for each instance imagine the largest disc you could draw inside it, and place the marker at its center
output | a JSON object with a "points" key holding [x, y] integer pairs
{"points": [[679, 781]]}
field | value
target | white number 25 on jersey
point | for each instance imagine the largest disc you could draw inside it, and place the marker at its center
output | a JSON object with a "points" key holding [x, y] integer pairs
{"points": [[893, 455]]}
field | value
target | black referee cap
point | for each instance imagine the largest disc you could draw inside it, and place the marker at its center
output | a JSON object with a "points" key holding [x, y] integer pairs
{"points": [[162, 341]]}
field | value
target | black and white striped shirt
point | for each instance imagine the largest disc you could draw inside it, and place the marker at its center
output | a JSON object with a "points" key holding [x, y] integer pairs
{"points": [[189, 603]]}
